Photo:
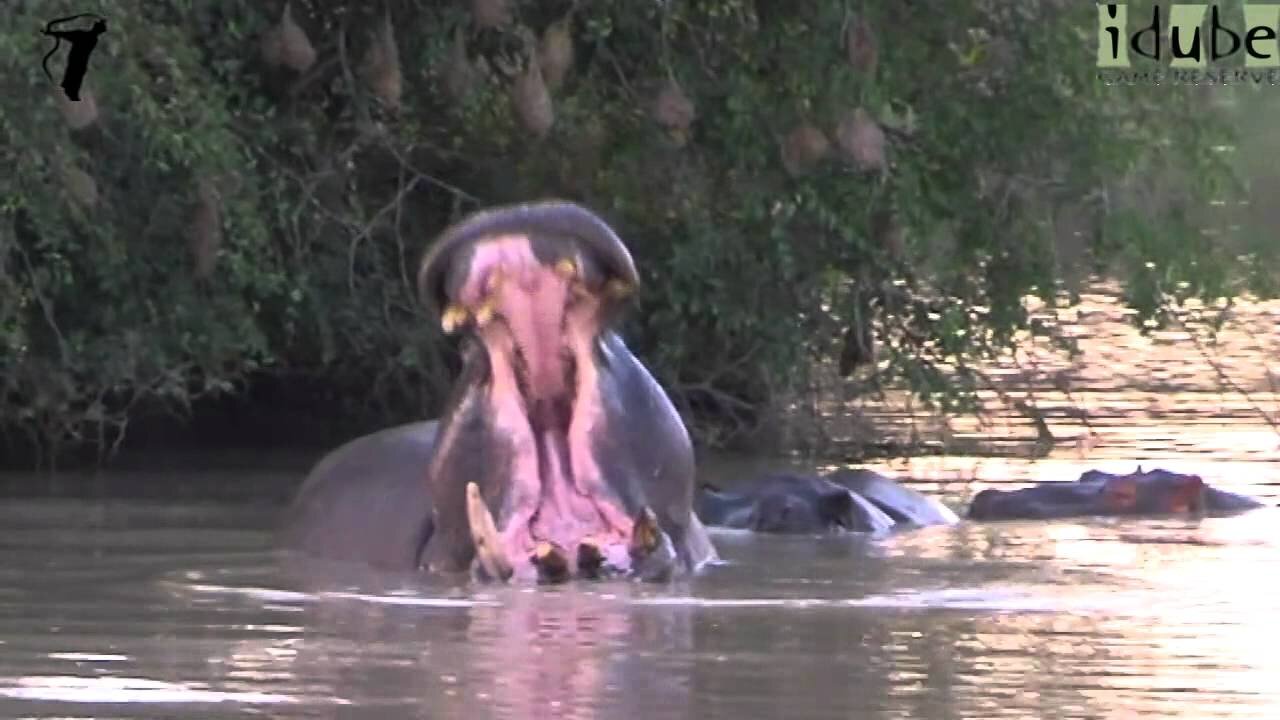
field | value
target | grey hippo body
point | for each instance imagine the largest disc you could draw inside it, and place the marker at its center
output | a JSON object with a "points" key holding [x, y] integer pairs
{"points": [[1097, 493], [558, 455], [847, 500]]}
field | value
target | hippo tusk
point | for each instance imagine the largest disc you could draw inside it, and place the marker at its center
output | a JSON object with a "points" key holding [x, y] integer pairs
{"points": [[484, 533], [454, 317], [653, 558], [484, 314]]}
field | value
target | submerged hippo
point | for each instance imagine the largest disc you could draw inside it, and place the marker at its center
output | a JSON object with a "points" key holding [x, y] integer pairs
{"points": [[843, 501], [558, 455], [1154, 492]]}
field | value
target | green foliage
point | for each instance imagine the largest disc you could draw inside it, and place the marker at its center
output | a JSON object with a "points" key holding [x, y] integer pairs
{"points": [[994, 127]]}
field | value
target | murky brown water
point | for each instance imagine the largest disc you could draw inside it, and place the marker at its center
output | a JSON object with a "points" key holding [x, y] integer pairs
{"points": [[157, 595]]}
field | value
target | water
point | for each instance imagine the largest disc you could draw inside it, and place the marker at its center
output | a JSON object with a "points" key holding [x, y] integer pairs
{"points": [[157, 593], [165, 599]]}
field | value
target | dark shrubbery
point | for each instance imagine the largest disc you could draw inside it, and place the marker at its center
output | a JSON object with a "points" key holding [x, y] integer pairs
{"points": [[251, 191]]}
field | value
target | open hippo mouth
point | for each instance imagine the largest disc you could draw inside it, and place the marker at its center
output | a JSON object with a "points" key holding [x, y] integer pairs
{"points": [[517, 481]]}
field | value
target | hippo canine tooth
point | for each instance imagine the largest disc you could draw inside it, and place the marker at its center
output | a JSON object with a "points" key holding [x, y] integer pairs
{"points": [[454, 317], [485, 312], [653, 558], [567, 268], [489, 551], [645, 533]]}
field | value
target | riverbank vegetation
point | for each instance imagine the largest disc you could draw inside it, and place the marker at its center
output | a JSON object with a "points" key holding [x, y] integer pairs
{"points": [[240, 200]]}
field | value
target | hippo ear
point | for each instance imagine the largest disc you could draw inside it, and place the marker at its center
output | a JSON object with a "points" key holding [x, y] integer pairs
{"points": [[835, 507]]}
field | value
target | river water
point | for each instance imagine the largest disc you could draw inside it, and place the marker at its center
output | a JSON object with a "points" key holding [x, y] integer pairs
{"points": [[153, 597], [156, 593]]}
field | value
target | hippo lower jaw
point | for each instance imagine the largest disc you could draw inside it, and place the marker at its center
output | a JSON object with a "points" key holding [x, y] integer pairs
{"points": [[649, 554]]}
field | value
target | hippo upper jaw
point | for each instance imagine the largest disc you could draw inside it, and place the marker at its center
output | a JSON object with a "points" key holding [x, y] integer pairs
{"points": [[518, 479], [555, 230]]}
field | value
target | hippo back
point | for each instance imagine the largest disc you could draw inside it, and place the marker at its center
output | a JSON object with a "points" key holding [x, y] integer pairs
{"points": [[904, 505], [377, 478]]}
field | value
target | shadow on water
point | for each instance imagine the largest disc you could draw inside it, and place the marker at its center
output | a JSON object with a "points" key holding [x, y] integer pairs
{"points": [[156, 593]]}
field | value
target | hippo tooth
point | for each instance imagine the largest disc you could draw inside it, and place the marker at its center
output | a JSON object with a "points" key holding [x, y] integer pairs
{"points": [[484, 313], [453, 318], [590, 559], [489, 551], [653, 557], [645, 532], [552, 562], [567, 268]]}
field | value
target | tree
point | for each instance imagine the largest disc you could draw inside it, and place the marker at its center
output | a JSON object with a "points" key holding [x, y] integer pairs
{"points": [[247, 187]]}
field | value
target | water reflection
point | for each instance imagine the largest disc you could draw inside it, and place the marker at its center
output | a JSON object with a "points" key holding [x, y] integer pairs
{"points": [[1168, 618], [167, 601]]}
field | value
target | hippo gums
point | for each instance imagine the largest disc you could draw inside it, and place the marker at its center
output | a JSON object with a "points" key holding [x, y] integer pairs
{"points": [[847, 500], [1154, 492], [557, 456]]}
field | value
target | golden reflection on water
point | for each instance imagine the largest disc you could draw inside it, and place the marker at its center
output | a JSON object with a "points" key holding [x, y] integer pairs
{"points": [[1210, 405]]}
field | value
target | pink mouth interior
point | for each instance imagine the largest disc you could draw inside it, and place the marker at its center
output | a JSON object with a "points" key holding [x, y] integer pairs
{"points": [[539, 343]]}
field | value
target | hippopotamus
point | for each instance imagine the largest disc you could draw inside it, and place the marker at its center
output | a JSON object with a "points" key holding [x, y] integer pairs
{"points": [[557, 456], [846, 500], [1154, 492]]}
